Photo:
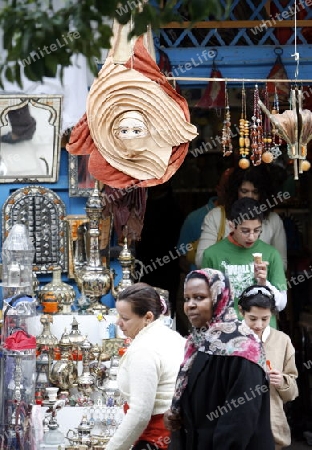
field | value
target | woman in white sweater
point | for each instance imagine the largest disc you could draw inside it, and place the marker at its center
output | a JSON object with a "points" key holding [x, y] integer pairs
{"points": [[147, 371], [256, 183], [257, 304]]}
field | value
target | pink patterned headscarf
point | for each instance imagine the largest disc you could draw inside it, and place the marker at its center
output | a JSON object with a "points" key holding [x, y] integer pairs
{"points": [[225, 335]]}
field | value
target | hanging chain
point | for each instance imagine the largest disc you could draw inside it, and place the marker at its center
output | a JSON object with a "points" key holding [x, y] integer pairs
{"points": [[256, 132], [226, 138]]}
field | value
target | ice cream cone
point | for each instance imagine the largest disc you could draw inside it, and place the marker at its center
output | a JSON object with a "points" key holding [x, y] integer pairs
{"points": [[257, 258]]}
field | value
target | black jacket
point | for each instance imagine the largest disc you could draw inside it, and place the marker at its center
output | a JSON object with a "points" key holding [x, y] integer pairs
{"points": [[226, 406]]}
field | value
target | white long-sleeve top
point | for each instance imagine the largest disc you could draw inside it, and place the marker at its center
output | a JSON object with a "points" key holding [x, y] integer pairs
{"points": [[146, 378], [273, 233]]}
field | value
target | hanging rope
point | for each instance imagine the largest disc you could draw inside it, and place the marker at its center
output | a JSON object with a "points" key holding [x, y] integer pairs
{"points": [[240, 80], [296, 54]]}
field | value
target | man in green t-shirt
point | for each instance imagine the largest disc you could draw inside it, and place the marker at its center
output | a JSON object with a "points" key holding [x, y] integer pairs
{"points": [[234, 255]]}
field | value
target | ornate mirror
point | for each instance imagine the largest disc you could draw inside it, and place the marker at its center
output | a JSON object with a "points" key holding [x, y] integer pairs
{"points": [[30, 138], [81, 183], [42, 211]]}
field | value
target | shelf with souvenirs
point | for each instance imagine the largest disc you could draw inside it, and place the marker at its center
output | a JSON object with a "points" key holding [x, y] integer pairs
{"points": [[84, 375], [60, 358], [73, 353], [59, 369]]}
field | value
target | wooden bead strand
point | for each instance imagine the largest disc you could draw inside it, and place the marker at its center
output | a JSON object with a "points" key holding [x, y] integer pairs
{"points": [[256, 133], [244, 141], [267, 156]]}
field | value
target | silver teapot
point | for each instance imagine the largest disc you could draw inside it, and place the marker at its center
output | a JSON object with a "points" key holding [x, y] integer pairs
{"points": [[64, 372]]}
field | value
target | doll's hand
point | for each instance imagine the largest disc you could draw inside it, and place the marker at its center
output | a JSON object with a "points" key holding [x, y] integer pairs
{"points": [[172, 421], [276, 378]]}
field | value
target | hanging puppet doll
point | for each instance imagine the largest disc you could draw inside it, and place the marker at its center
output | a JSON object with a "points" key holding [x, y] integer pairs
{"points": [[136, 128]]}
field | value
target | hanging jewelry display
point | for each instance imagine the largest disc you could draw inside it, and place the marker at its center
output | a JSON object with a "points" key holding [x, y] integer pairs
{"points": [[276, 139], [244, 141], [226, 129], [256, 131], [294, 126], [305, 133], [267, 156]]}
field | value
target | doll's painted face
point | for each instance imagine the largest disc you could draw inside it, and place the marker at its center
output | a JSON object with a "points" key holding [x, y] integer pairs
{"points": [[131, 126]]}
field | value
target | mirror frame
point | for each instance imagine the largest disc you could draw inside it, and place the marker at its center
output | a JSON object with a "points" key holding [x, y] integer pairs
{"points": [[51, 103], [26, 206], [78, 188]]}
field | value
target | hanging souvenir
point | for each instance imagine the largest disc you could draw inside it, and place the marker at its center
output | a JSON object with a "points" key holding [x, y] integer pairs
{"points": [[305, 133], [226, 138], [137, 127], [267, 156], [256, 131], [276, 139], [294, 126], [214, 94], [244, 141]]}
